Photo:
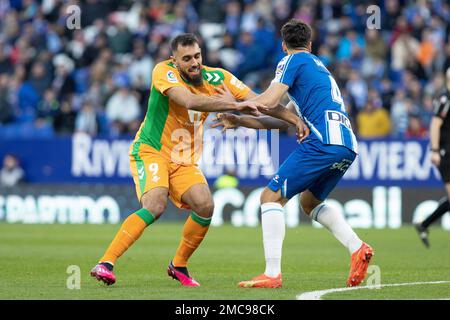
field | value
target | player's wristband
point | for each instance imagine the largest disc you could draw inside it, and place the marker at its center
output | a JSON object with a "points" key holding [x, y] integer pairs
{"points": [[435, 150]]}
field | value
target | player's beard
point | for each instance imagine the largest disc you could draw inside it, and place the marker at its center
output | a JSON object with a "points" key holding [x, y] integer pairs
{"points": [[197, 80]]}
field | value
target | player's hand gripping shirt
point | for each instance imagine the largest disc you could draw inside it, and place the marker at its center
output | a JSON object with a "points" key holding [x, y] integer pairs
{"points": [[172, 129], [317, 99]]}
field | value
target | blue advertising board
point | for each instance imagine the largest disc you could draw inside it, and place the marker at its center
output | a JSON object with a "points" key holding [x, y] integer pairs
{"points": [[253, 156]]}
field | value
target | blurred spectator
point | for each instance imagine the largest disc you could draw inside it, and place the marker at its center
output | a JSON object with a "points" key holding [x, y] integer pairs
{"points": [[120, 38], [214, 59], [264, 36], [11, 173], [95, 9], [211, 11], [375, 61], [38, 53], [252, 55], [281, 13], [64, 121], [63, 83], [357, 88], [373, 122], [227, 180], [87, 120], [5, 63], [404, 51], [401, 110], [229, 56], [249, 19], [48, 107], [305, 12], [427, 109], [415, 128], [122, 109], [351, 47], [427, 51], [6, 108], [232, 18], [386, 91], [141, 67]]}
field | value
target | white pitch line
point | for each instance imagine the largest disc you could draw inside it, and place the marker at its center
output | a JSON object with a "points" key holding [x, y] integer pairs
{"points": [[317, 295]]}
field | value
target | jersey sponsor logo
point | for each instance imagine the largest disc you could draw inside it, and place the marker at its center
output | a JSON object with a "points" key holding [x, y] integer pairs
{"points": [[342, 166], [213, 77], [171, 77], [339, 117]]}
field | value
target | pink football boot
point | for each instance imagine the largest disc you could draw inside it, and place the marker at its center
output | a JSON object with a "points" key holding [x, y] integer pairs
{"points": [[184, 279], [101, 273]]}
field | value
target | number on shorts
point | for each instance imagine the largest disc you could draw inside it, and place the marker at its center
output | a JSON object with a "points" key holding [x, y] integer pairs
{"points": [[153, 168]]}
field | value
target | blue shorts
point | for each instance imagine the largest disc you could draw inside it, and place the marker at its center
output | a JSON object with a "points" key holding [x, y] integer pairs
{"points": [[312, 166]]}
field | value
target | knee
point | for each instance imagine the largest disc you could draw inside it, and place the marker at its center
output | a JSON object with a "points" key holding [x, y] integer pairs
{"points": [[157, 207], [268, 195], [307, 206], [204, 209], [309, 202]]}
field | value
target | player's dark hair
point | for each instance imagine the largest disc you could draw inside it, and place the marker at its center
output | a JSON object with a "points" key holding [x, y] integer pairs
{"points": [[296, 34], [184, 40]]}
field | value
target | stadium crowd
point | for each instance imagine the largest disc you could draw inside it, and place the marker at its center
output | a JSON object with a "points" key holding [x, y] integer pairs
{"points": [[58, 80]]}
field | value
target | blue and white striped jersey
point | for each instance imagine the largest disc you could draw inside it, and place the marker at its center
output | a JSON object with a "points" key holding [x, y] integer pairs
{"points": [[317, 99]]}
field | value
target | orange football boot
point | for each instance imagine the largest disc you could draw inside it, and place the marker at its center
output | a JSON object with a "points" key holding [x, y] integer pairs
{"points": [[262, 281], [359, 263]]}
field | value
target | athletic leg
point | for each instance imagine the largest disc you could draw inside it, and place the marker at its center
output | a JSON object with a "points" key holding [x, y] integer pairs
{"points": [[154, 203], [331, 219], [199, 199], [443, 207], [146, 164], [339, 159], [294, 176], [189, 190]]}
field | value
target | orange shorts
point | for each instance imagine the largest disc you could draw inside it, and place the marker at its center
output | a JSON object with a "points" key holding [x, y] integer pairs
{"points": [[150, 170]]}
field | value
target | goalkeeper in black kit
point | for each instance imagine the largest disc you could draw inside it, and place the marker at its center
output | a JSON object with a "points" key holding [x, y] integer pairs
{"points": [[440, 155]]}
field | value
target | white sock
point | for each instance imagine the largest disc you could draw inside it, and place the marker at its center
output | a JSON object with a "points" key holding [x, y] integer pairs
{"points": [[272, 220], [336, 223]]}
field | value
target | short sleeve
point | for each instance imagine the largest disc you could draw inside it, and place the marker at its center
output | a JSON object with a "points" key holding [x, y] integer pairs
{"points": [[441, 106], [236, 86], [165, 77], [286, 71]]}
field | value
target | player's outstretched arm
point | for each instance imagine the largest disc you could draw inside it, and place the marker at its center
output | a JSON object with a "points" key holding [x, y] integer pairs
{"points": [[231, 121], [203, 103], [272, 96]]}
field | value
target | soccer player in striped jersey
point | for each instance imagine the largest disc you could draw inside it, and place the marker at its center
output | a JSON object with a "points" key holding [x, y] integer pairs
{"points": [[164, 154], [316, 165]]}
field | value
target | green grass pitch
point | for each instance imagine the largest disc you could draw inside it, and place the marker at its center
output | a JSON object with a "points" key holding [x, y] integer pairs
{"points": [[34, 261]]}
